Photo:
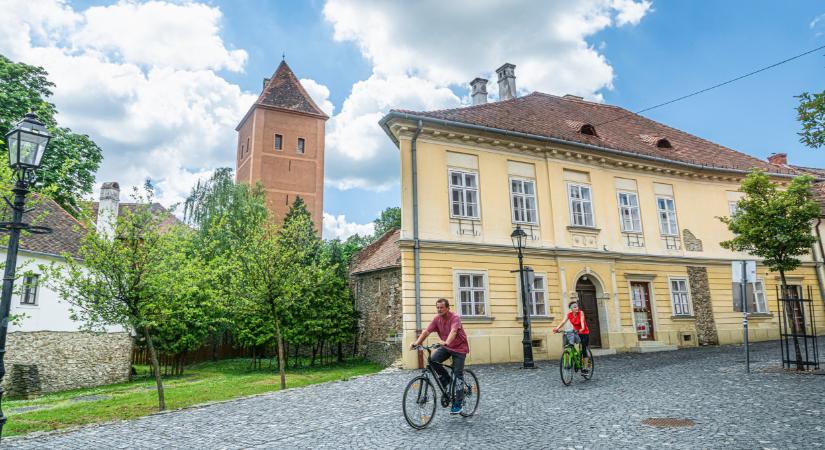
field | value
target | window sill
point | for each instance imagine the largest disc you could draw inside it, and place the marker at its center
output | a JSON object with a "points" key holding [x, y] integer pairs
{"points": [[465, 219], [533, 319], [593, 230], [683, 318], [760, 316], [477, 319]]}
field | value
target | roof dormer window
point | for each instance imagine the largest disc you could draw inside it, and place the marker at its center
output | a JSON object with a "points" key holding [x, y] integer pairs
{"points": [[663, 143], [588, 129]]}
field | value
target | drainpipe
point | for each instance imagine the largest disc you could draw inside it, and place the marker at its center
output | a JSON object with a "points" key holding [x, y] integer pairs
{"points": [[817, 264], [416, 246]]}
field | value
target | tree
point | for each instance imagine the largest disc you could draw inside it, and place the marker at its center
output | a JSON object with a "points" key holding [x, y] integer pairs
{"points": [[68, 168], [389, 219], [775, 225], [115, 280], [811, 111]]}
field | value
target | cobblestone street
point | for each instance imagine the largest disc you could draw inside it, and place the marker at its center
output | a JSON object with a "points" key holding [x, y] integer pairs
{"points": [[518, 409]]}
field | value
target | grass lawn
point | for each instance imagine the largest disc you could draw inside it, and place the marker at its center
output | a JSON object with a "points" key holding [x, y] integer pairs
{"points": [[200, 383]]}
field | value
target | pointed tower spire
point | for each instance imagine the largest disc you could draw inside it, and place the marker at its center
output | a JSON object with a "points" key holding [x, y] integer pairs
{"points": [[283, 90]]}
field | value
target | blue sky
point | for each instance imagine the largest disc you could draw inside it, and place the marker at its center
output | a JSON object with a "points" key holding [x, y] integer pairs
{"points": [[161, 85]]}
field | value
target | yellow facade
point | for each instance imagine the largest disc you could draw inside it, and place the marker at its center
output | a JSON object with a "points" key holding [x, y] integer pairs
{"points": [[564, 254]]}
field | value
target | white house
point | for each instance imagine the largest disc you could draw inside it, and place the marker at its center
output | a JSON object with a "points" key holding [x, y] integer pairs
{"points": [[46, 351]]}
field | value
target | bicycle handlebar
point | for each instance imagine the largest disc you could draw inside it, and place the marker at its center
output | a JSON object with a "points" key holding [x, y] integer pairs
{"points": [[427, 347]]}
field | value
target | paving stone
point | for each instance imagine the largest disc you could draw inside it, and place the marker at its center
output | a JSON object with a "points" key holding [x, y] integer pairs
{"points": [[519, 409]]}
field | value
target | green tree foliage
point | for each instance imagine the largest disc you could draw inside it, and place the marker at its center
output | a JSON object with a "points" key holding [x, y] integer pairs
{"points": [[389, 219], [811, 111], [775, 225], [116, 280], [69, 165]]}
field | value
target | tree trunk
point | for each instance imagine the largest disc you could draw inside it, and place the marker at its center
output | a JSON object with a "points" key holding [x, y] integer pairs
{"points": [[281, 365], [792, 317], [297, 358], [156, 368], [315, 352], [340, 352]]}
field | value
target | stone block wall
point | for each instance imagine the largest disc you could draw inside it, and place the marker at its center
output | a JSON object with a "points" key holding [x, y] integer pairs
{"points": [[702, 306], [40, 362], [378, 300]]}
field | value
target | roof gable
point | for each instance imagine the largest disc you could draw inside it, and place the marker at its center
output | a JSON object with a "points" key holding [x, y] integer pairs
{"points": [[381, 254]]}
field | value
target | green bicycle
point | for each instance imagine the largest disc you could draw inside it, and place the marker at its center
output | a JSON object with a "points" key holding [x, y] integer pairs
{"points": [[571, 359]]}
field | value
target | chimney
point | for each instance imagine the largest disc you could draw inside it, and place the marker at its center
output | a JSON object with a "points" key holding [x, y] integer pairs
{"points": [[479, 91], [266, 81], [107, 209], [506, 82], [779, 159]]}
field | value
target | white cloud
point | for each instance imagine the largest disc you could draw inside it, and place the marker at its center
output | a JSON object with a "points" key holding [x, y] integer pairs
{"points": [[337, 227], [140, 79], [419, 54], [319, 94], [816, 20]]}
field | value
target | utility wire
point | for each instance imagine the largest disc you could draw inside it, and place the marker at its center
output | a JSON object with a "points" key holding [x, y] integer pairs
{"points": [[714, 86]]}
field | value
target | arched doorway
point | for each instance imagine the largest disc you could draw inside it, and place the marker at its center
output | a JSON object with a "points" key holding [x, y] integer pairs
{"points": [[586, 291]]}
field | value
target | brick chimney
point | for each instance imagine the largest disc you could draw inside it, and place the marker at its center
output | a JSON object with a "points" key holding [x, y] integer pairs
{"points": [[107, 209], [779, 159], [506, 82], [479, 91]]}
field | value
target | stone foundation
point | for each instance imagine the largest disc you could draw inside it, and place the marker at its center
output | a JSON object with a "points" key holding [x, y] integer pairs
{"points": [[50, 361]]}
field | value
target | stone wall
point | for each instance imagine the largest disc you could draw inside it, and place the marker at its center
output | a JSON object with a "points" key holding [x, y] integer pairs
{"points": [[378, 300], [40, 362], [692, 243], [702, 306]]}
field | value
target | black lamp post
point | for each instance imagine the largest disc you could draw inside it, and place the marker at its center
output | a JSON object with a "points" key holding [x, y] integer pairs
{"points": [[519, 238], [27, 142]]}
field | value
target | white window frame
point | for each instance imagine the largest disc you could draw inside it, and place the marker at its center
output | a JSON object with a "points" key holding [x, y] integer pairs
{"points": [[571, 200], [514, 196], [671, 216], [463, 189], [637, 207], [733, 208], [30, 288], [458, 289], [684, 295], [533, 302], [760, 292]]}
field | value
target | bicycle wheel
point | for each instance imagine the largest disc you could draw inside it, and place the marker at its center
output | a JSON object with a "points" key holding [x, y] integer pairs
{"points": [[471, 394], [419, 402], [589, 373], [566, 367]]}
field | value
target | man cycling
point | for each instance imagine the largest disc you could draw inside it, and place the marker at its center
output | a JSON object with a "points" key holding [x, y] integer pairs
{"points": [[576, 318], [453, 344]]}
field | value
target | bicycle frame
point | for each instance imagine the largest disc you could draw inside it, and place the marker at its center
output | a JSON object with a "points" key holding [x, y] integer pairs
{"points": [[429, 370]]}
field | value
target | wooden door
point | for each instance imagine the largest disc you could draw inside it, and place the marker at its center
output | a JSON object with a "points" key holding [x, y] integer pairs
{"points": [[587, 302], [642, 311]]}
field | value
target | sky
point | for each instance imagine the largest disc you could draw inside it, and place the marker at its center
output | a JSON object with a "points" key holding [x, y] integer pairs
{"points": [[161, 85]]}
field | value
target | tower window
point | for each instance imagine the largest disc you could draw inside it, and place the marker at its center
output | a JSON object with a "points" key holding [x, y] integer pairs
{"points": [[663, 143], [301, 145], [588, 129], [278, 141], [247, 145]]}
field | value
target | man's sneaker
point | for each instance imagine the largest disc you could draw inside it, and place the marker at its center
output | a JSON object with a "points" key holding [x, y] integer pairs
{"points": [[456, 409]]}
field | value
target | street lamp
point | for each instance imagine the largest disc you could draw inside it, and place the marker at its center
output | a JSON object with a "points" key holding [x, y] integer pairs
{"points": [[27, 143], [519, 238]]}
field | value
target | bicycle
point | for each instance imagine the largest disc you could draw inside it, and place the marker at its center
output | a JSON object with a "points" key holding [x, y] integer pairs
{"points": [[420, 394], [571, 359]]}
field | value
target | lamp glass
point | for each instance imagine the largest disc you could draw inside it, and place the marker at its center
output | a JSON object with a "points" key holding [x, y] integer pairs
{"points": [[27, 143], [519, 238]]}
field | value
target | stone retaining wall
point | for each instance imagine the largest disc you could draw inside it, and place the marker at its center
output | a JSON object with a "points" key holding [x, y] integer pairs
{"points": [[378, 300], [40, 362]]}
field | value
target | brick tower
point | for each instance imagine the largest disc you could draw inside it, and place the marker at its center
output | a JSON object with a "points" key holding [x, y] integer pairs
{"points": [[281, 145]]}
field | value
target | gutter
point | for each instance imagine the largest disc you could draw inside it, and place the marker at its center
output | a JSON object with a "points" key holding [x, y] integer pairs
{"points": [[416, 243], [819, 266], [518, 134]]}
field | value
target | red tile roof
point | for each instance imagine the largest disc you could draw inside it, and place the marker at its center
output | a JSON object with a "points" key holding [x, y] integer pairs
{"points": [[66, 233], [550, 116], [381, 254]]}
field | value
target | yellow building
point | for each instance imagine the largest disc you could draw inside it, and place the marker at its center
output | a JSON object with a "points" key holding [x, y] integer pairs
{"points": [[621, 212]]}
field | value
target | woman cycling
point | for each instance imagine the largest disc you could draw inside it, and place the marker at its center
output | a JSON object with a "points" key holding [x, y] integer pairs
{"points": [[576, 318]]}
